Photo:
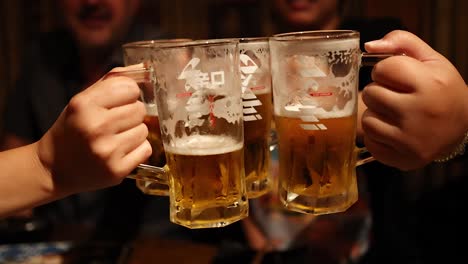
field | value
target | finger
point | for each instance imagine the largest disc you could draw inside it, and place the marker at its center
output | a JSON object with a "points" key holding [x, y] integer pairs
{"points": [[379, 128], [138, 72], [138, 155], [403, 42], [399, 73], [383, 101], [387, 154], [125, 117], [128, 140], [113, 92]]}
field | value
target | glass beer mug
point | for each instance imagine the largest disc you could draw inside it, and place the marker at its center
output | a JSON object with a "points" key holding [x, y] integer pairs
{"points": [[200, 114], [315, 91], [257, 109], [135, 53]]}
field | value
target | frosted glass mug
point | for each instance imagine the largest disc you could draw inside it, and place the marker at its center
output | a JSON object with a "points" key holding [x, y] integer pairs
{"points": [[140, 52], [199, 105], [315, 90]]}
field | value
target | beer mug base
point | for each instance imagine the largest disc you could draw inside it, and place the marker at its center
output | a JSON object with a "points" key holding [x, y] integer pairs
{"points": [[317, 205], [153, 188], [258, 188], [211, 216]]}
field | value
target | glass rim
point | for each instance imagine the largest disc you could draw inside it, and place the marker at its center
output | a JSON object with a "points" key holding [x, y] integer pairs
{"points": [[316, 35], [152, 42], [198, 43], [253, 39]]}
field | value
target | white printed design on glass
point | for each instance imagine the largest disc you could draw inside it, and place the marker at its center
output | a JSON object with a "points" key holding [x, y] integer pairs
{"points": [[249, 100], [202, 101]]}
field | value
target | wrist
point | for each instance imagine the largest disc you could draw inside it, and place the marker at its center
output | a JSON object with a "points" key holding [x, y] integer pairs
{"points": [[457, 151], [43, 173], [46, 169]]}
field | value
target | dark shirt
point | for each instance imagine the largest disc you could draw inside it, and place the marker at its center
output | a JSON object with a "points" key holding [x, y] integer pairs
{"points": [[319, 244], [416, 215], [49, 78]]}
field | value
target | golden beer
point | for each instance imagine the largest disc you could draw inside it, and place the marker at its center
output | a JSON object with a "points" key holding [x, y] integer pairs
{"points": [[207, 182], [256, 148], [157, 157], [317, 164]]}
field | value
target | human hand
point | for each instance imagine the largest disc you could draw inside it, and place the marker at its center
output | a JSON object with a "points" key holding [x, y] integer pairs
{"points": [[98, 139], [417, 108]]}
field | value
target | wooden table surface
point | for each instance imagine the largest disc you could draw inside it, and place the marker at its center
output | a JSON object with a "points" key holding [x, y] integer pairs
{"points": [[154, 250]]}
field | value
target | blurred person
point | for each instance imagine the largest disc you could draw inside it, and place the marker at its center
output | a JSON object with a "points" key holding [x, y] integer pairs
{"points": [[56, 66], [305, 15], [414, 112], [96, 141], [332, 238], [407, 193]]}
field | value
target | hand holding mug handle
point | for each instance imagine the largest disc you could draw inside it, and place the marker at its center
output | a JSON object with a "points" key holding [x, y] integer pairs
{"points": [[141, 73]]}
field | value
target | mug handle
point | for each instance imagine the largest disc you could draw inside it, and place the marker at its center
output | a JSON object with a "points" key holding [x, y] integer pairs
{"points": [[150, 173], [370, 59], [142, 73], [363, 156]]}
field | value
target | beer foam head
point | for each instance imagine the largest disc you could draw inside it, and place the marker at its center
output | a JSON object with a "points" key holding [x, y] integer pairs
{"points": [[313, 113], [316, 77], [203, 145]]}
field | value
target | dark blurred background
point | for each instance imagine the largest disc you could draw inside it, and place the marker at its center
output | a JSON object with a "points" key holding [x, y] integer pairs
{"points": [[441, 23]]}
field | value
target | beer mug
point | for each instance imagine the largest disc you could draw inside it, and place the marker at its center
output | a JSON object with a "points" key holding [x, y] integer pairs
{"points": [[139, 52], [257, 109], [199, 103], [315, 91]]}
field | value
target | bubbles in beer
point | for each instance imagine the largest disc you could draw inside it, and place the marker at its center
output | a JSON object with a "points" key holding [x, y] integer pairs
{"points": [[207, 182]]}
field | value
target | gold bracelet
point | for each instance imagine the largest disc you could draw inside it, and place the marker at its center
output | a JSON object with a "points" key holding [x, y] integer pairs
{"points": [[459, 150]]}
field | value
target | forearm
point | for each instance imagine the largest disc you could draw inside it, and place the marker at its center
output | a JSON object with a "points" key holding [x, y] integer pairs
{"points": [[24, 182]]}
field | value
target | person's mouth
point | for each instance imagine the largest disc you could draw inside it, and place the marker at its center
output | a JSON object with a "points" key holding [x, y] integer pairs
{"points": [[94, 18], [299, 5]]}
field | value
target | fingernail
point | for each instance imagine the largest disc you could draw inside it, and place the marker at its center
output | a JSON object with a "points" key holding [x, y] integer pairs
{"points": [[374, 43]]}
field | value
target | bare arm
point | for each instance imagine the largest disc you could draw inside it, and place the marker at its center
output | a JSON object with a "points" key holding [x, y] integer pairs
{"points": [[24, 182], [97, 140], [11, 141]]}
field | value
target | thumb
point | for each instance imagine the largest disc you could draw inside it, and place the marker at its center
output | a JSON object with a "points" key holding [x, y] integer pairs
{"points": [[402, 42]]}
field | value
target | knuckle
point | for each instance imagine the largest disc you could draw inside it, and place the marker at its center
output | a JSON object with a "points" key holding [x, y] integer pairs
{"points": [[117, 69], [95, 130], [368, 123], [147, 149], [118, 171], [397, 34], [140, 109], [123, 84], [102, 149], [367, 93], [143, 131], [440, 82], [378, 71], [77, 103]]}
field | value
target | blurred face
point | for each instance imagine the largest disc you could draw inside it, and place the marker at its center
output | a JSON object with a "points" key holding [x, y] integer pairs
{"points": [[98, 23], [314, 14]]}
